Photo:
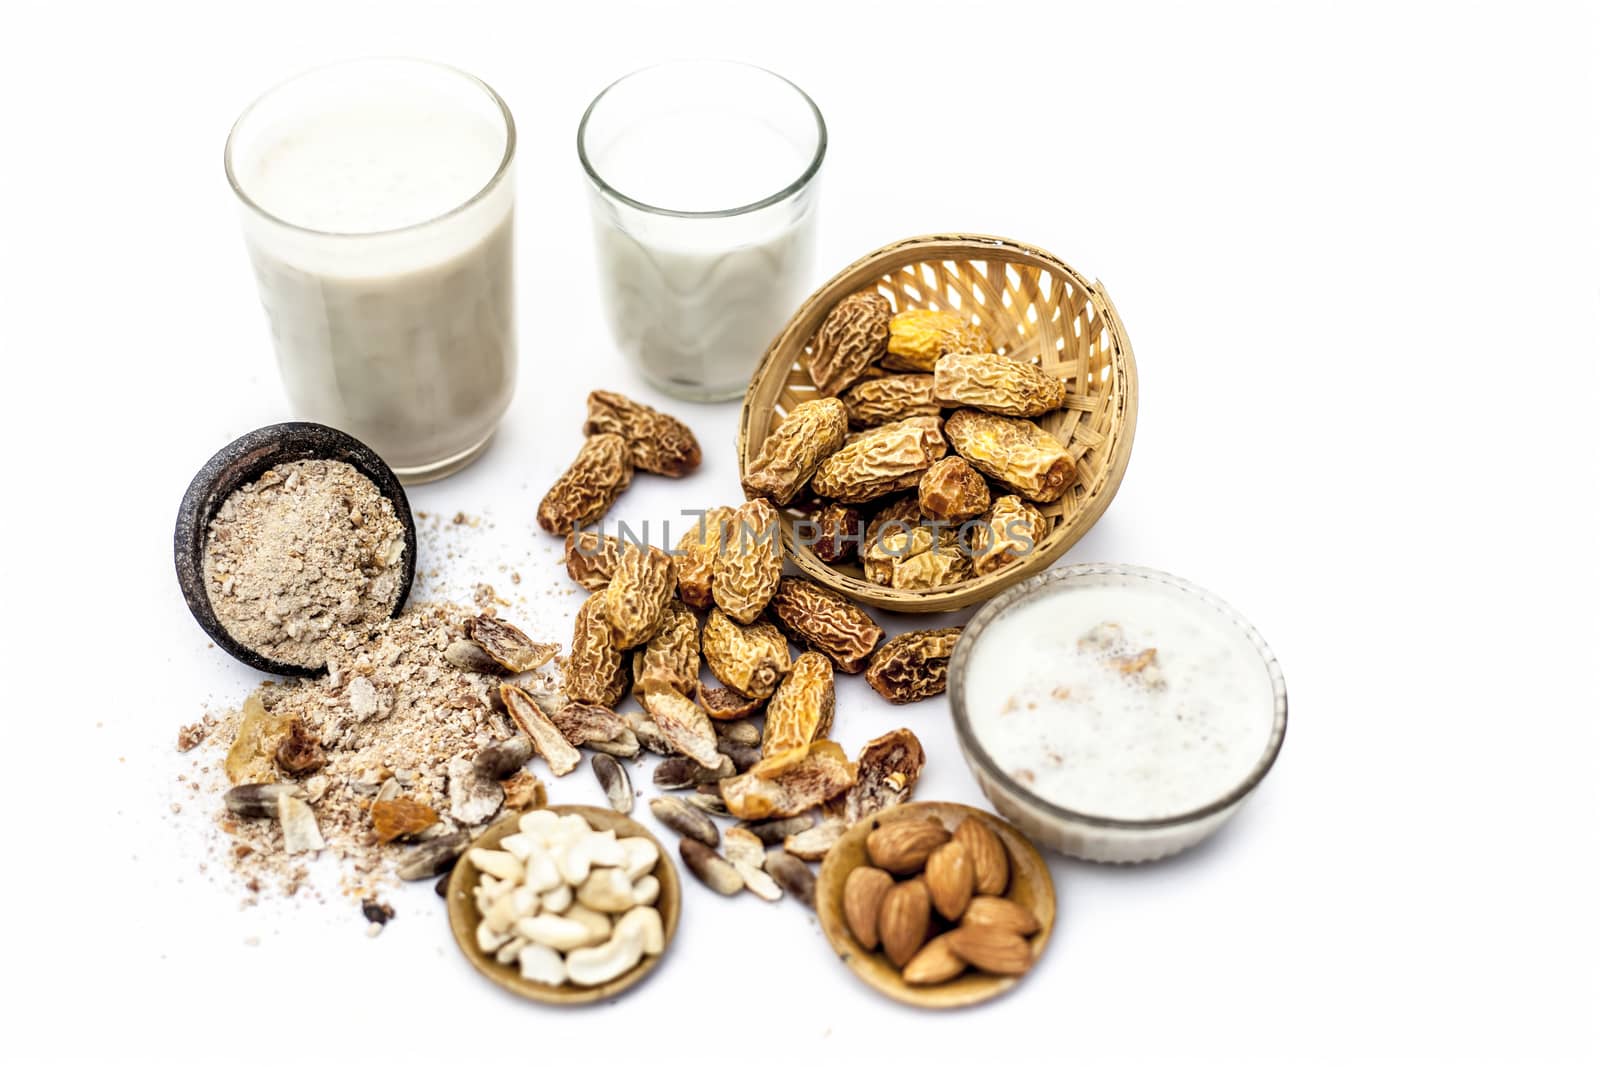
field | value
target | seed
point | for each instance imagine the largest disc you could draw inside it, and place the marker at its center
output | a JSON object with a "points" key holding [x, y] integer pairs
{"points": [[433, 857], [503, 758], [740, 731], [649, 734], [743, 756], [794, 876], [773, 831], [681, 772], [688, 822], [258, 800], [716, 873], [710, 803], [614, 780]]}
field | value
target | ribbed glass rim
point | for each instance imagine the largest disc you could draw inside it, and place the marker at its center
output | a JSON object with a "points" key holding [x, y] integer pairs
{"points": [[783, 194], [506, 158], [1039, 585]]}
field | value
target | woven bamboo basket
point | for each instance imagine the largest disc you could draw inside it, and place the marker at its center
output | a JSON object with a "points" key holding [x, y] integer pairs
{"points": [[1033, 307]]}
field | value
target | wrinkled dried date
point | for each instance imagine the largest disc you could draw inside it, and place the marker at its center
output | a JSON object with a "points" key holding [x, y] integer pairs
{"points": [[793, 450], [1012, 530], [697, 557], [749, 562], [637, 595], [952, 491], [996, 384], [855, 333], [882, 460], [917, 338], [596, 670], [877, 401], [588, 488], [591, 557], [824, 621], [672, 655], [1014, 452], [834, 531], [798, 713], [913, 666], [657, 442], [747, 659]]}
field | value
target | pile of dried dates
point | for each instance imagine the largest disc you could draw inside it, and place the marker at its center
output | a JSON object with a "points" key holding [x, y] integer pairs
{"points": [[922, 500]]}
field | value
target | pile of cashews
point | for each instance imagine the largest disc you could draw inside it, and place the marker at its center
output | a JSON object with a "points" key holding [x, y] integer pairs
{"points": [[568, 903]]}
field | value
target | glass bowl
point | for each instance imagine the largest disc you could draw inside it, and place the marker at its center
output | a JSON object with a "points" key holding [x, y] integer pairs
{"points": [[1086, 835]]}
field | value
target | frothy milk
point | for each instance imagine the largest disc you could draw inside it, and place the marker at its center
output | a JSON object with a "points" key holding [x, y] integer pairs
{"points": [[382, 248], [1124, 699]]}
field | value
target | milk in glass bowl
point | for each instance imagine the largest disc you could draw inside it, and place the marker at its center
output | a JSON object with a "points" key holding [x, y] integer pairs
{"points": [[1116, 713]]}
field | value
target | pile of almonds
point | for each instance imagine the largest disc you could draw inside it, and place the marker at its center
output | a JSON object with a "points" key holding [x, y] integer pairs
{"points": [[933, 902], [924, 501]]}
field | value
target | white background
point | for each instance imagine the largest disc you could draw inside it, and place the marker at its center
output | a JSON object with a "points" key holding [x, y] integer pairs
{"points": [[1355, 247]]}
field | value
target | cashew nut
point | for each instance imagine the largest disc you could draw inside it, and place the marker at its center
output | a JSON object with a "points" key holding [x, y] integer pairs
{"points": [[585, 853], [593, 966], [519, 845], [639, 856], [606, 889], [646, 890], [493, 888], [647, 923], [488, 940], [555, 931], [502, 914], [492, 861], [508, 951], [598, 923], [542, 964], [558, 899], [542, 873], [538, 822], [525, 901]]}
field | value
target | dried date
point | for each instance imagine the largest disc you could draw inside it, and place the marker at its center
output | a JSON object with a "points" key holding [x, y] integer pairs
{"points": [[891, 398], [794, 449], [673, 653], [834, 531], [996, 384], [636, 598], [800, 712], [591, 558], [882, 460], [588, 488], [952, 491], [697, 557], [913, 666], [1017, 453], [749, 562], [827, 622], [917, 338], [596, 670], [819, 776], [1012, 530], [851, 338], [748, 659], [657, 442]]}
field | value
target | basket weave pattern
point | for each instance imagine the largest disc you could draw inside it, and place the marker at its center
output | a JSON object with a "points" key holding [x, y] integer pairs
{"points": [[1032, 307]]}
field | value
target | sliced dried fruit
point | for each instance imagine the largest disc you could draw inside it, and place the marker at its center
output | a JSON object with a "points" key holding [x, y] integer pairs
{"points": [[749, 562], [1011, 531], [587, 489], [933, 963], [253, 755], [917, 338], [886, 774], [995, 383], [793, 450], [820, 776], [882, 460], [834, 531], [591, 557], [657, 442], [697, 557], [903, 920], [723, 704], [850, 339], [586, 724], [681, 721], [672, 655], [822, 620], [991, 949], [748, 659], [952, 491], [799, 713], [864, 890], [596, 670], [523, 790], [889, 399], [1017, 453], [557, 751], [509, 646], [637, 595], [815, 842], [902, 847], [499, 759], [470, 656], [739, 845], [400, 817], [913, 666]]}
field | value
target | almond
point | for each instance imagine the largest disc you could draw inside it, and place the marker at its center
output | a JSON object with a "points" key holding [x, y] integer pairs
{"points": [[863, 897], [991, 949], [903, 847], [903, 921], [935, 963], [949, 877], [1004, 914], [991, 871]]}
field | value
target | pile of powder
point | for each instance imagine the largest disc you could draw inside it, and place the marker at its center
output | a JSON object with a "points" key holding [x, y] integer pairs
{"points": [[302, 557], [391, 712]]}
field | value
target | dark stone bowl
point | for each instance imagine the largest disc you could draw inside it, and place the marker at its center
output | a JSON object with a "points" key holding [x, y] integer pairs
{"points": [[244, 461]]}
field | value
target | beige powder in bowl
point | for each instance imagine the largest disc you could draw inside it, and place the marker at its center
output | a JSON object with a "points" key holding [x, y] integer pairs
{"points": [[306, 554]]}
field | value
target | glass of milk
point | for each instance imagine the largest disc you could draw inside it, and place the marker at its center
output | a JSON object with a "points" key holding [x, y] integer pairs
{"points": [[703, 183], [377, 201]]}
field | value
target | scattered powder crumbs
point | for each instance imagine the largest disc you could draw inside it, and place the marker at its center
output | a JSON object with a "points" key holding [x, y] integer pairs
{"points": [[390, 707], [308, 552]]}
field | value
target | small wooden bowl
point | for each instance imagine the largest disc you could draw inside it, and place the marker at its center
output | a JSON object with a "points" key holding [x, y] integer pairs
{"points": [[1031, 887], [1033, 307], [464, 917], [243, 461]]}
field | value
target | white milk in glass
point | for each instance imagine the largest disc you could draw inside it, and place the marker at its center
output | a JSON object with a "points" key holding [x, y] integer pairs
{"points": [[704, 215], [378, 216]]}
